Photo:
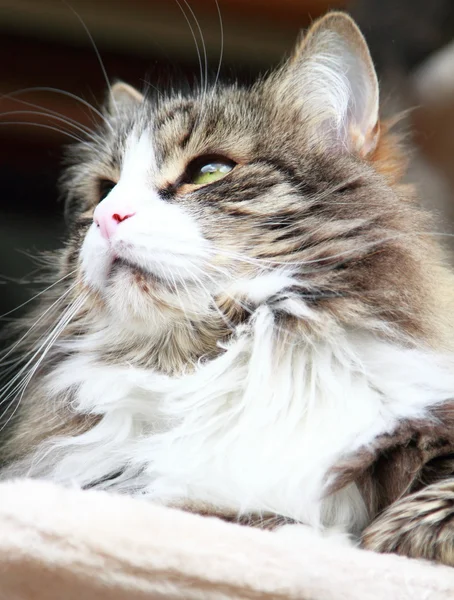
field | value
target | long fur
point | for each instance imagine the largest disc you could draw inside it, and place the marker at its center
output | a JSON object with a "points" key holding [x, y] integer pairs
{"points": [[232, 344]]}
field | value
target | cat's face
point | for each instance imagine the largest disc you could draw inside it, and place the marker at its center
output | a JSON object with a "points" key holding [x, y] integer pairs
{"points": [[187, 207]]}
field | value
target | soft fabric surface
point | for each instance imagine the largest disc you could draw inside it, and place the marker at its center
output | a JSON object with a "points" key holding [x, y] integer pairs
{"points": [[59, 544]]}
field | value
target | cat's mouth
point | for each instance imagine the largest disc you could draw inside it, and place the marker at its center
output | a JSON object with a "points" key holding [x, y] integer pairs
{"points": [[140, 275]]}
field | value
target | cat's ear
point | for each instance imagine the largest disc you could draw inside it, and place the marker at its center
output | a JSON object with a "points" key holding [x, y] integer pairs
{"points": [[121, 96], [332, 76]]}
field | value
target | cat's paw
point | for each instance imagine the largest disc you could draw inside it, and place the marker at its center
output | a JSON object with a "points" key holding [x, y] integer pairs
{"points": [[420, 525]]}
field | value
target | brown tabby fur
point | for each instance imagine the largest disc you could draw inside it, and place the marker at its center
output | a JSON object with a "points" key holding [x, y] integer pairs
{"points": [[292, 198], [407, 482]]}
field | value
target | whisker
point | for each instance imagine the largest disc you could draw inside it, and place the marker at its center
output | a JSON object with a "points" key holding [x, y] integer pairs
{"points": [[221, 53], [208, 294], [95, 48], [49, 112], [319, 261], [7, 387], [204, 50], [22, 386], [40, 318], [177, 292], [63, 93], [82, 130], [17, 281], [38, 294], [25, 279], [223, 316], [199, 57], [50, 332], [77, 139]]}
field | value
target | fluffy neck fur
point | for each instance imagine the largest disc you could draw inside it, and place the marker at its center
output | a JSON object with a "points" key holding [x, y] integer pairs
{"points": [[241, 394], [255, 430]]}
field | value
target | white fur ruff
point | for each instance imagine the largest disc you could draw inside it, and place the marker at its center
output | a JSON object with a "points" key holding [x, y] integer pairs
{"points": [[252, 430]]}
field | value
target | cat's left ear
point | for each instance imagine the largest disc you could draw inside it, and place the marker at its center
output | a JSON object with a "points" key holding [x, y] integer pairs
{"points": [[123, 96], [332, 76]]}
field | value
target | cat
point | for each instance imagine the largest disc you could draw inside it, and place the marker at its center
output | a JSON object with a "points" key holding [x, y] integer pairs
{"points": [[249, 318]]}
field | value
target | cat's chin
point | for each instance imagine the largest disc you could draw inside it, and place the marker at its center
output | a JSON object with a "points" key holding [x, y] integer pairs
{"points": [[135, 275], [143, 302]]}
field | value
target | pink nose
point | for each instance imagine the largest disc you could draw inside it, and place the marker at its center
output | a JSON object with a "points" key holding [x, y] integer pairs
{"points": [[108, 218]]}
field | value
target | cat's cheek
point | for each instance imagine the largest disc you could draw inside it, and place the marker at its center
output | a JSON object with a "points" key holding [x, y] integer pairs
{"points": [[95, 260]]}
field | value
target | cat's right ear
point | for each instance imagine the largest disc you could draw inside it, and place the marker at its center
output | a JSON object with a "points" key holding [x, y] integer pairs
{"points": [[332, 81], [123, 96]]}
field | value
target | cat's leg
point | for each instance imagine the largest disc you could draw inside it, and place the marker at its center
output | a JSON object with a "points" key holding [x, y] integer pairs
{"points": [[420, 525]]}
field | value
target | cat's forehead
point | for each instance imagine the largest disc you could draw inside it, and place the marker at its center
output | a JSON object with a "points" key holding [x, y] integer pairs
{"points": [[178, 128]]}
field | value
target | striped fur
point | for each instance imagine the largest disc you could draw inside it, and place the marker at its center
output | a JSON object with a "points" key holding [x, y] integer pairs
{"points": [[243, 348]]}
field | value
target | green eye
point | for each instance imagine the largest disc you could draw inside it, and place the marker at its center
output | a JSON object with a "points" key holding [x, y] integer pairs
{"points": [[202, 172]]}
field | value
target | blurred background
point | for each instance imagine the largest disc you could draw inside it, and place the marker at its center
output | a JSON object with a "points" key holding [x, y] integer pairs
{"points": [[49, 45]]}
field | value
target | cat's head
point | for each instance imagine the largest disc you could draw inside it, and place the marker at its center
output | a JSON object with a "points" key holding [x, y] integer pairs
{"points": [[199, 208]]}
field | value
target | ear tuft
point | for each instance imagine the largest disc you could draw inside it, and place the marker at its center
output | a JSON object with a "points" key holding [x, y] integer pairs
{"points": [[334, 80], [123, 96]]}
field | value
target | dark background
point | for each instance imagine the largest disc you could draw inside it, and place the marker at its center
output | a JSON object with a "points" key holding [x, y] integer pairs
{"points": [[43, 43]]}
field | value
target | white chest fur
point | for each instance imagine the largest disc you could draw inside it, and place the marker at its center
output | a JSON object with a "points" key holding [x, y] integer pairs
{"points": [[249, 431]]}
